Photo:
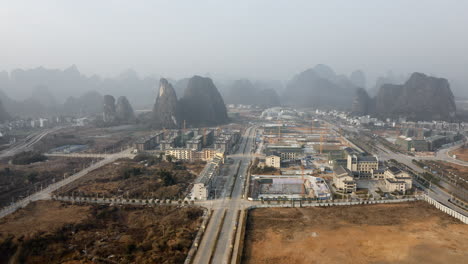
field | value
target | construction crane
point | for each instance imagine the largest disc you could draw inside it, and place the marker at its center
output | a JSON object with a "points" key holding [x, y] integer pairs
{"points": [[321, 142], [303, 181], [184, 130], [204, 136]]}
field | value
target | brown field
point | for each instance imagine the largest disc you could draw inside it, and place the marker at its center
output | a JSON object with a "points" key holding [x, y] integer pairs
{"points": [[129, 178], [398, 233], [57, 232], [98, 140], [462, 153]]}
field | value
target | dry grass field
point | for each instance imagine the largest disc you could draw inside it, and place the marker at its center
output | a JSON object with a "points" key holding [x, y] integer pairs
{"points": [[58, 232], [398, 233]]}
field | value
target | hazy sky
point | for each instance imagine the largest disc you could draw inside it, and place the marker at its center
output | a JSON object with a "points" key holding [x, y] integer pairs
{"points": [[247, 38]]}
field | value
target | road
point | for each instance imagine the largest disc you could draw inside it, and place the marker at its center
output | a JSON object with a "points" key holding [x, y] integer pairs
{"points": [[27, 143], [229, 205], [443, 154], [45, 193]]}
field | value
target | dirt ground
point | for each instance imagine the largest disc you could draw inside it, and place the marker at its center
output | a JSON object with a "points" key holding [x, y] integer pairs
{"points": [[132, 179], [462, 153], [398, 233], [98, 140], [58, 232]]}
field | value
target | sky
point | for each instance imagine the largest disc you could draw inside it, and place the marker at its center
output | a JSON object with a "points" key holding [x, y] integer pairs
{"points": [[257, 39]]}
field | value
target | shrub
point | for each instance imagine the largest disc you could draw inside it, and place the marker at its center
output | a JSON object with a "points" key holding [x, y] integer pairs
{"points": [[25, 158]]}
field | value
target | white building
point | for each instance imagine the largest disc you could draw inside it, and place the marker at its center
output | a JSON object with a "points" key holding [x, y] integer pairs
{"points": [[199, 191], [343, 180], [273, 161], [201, 187], [394, 177]]}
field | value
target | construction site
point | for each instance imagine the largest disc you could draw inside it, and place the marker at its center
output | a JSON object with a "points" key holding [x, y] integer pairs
{"points": [[298, 151]]}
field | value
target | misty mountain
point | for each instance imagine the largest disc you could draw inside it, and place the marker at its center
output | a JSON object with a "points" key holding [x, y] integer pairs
{"points": [[26, 108], [87, 104], [202, 104], [389, 78], [358, 78], [180, 86], [109, 113], [166, 109], [124, 111], [362, 103], [421, 97], [320, 87], [20, 84], [244, 92], [4, 115]]}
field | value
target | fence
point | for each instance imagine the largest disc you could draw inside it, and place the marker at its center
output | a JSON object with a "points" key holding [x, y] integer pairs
{"points": [[123, 201], [335, 203], [445, 209], [197, 240]]}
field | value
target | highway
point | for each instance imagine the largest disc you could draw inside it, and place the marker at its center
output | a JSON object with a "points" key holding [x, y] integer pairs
{"points": [[27, 143], [46, 192], [228, 205]]}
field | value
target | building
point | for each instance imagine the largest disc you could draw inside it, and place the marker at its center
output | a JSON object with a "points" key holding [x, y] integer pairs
{"points": [[149, 142], [410, 144], [393, 173], [192, 154], [419, 145], [343, 180], [180, 153], [195, 143], [363, 165], [435, 142], [393, 185], [289, 187], [202, 186], [273, 161], [286, 152]]}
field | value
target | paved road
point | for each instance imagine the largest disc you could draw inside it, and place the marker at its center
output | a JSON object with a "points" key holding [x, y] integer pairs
{"points": [[45, 193], [27, 143], [443, 154], [86, 155], [230, 206]]}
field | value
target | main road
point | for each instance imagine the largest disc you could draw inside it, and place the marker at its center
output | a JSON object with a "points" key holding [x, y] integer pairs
{"points": [[227, 207]]}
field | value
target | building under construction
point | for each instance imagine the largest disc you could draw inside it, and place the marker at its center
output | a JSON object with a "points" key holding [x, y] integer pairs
{"points": [[289, 187]]}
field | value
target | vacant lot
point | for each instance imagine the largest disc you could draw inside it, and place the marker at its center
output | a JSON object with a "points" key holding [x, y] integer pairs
{"points": [[98, 140], [18, 181], [462, 153], [56, 232], [132, 179], [399, 233]]}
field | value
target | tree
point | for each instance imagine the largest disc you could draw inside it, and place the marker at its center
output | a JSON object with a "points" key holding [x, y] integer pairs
{"points": [[169, 158], [166, 177]]}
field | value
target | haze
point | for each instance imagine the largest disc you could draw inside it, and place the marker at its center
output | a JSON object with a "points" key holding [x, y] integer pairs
{"points": [[238, 39]]}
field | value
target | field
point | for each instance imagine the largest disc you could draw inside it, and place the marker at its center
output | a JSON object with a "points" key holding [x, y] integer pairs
{"points": [[398, 233], [17, 181], [56, 232], [132, 179], [462, 153], [98, 140]]}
